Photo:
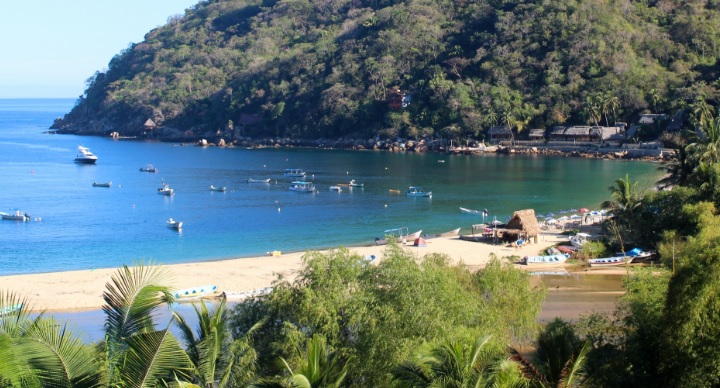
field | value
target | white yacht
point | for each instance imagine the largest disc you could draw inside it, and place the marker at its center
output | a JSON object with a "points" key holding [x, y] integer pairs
{"points": [[84, 156]]}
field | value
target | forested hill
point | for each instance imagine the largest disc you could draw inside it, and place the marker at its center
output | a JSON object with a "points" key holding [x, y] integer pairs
{"points": [[325, 68]]}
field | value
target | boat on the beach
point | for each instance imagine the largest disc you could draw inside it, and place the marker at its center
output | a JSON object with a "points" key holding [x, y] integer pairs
{"points": [[637, 255], [609, 261], [547, 259], [336, 188], [165, 189], [302, 186], [102, 184], [579, 239], [415, 191], [399, 234], [84, 156], [250, 180], [355, 184], [241, 295], [148, 168], [10, 309], [295, 172], [221, 189], [194, 292], [17, 215], [174, 224], [451, 233]]}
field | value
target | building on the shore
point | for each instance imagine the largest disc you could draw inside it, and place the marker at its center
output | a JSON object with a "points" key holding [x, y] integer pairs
{"points": [[557, 133], [396, 98], [608, 135], [522, 226], [148, 128], [537, 134], [578, 133], [500, 133]]}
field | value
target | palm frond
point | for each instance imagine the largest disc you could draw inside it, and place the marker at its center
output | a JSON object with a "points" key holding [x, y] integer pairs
{"points": [[59, 357], [132, 298], [154, 357], [573, 374], [411, 374], [527, 368]]}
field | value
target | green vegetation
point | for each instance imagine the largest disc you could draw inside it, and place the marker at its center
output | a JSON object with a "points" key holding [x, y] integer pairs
{"points": [[230, 68]]}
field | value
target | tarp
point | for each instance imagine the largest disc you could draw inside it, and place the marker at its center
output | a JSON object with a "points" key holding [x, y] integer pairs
{"points": [[420, 242]]}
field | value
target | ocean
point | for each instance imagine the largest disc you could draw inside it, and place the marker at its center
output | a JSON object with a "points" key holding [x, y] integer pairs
{"points": [[77, 226]]}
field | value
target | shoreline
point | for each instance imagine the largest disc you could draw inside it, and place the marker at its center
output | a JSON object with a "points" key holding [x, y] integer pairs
{"points": [[81, 290]]}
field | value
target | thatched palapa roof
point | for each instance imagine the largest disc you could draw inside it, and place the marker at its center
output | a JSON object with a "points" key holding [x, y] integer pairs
{"points": [[523, 223]]}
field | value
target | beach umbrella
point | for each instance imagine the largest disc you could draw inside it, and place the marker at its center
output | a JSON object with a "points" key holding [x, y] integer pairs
{"points": [[496, 222], [563, 218], [584, 210], [550, 220], [575, 217]]}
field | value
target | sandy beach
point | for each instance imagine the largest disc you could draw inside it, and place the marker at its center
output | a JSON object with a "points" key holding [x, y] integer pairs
{"points": [[82, 290]]}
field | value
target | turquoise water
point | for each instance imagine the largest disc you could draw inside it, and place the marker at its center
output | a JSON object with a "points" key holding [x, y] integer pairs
{"points": [[83, 227]]}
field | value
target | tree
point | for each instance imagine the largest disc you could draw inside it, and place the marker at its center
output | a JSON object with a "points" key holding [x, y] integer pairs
{"points": [[40, 352], [217, 359], [137, 353], [457, 364]]}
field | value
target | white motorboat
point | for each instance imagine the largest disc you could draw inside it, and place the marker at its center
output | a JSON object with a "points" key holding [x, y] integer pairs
{"points": [[221, 189], [165, 189], [548, 259], [173, 224], [579, 239], [84, 156], [414, 191], [336, 188], [194, 292], [401, 235], [609, 261], [295, 172], [148, 168], [302, 186], [17, 215], [250, 180], [355, 184]]}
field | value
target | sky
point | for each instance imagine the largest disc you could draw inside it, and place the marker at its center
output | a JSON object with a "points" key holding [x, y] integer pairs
{"points": [[49, 48]]}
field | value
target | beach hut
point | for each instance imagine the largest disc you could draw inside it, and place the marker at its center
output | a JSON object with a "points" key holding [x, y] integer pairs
{"points": [[523, 225]]}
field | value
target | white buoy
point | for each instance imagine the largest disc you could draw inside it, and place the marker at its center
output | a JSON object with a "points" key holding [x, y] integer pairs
{"points": [[278, 210], [385, 205]]}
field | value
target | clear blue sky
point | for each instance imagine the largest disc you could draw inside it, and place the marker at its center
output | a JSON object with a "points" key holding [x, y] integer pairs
{"points": [[50, 47]]}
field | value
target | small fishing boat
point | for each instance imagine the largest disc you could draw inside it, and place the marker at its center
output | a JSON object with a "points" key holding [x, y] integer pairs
{"points": [[609, 261], [451, 233], [102, 184], [579, 239], [165, 189], [10, 309], [336, 188], [548, 259], [295, 172], [148, 168], [194, 292], [84, 156], [414, 191], [637, 255], [401, 235], [17, 215], [173, 224], [221, 189], [302, 186], [355, 184], [250, 180]]}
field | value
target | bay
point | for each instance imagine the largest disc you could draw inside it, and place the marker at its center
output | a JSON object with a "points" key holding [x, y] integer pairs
{"points": [[77, 226]]}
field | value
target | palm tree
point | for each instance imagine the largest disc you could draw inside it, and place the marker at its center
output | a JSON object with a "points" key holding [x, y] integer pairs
{"points": [[454, 364], [625, 196], [216, 358], [592, 108], [561, 358], [138, 354], [41, 352]]}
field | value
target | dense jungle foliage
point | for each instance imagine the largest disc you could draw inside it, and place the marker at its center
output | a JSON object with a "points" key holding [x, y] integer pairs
{"points": [[312, 69]]}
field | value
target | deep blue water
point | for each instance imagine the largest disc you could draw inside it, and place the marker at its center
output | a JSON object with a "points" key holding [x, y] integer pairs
{"points": [[85, 227]]}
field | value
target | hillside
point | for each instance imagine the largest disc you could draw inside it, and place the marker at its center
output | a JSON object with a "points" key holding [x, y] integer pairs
{"points": [[301, 69]]}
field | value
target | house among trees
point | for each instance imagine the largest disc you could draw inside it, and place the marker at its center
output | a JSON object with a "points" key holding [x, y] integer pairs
{"points": [[537, 134], [651, 118], [148, 127], [395, 99], [500, 133], [614, 135], [557, 133], [577, 133]]}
